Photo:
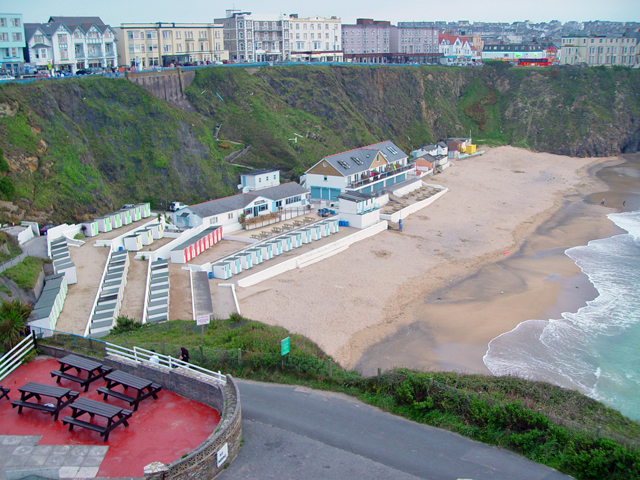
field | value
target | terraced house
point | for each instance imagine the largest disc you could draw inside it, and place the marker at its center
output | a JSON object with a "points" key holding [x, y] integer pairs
{"points": [[599, 50], [364, 170], [12, 43], [71, 43], [144, 45]]}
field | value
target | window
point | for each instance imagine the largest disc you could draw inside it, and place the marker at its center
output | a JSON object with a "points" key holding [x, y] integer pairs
{"points": [[166, 34], [15, 22], [230, 216], [130, 35], [179, 48], [166, 48], [279, 204], [17, 37], [3, 22], [213, 220], [325, 178], [178, 35], [151, 35]]}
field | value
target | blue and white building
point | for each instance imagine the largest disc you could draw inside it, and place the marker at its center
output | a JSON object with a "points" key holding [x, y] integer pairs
{"points": [[12, 43], [229, 211], [259, 179], [365, 170]]}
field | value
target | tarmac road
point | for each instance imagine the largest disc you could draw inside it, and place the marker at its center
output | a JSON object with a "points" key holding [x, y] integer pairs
{"points": [[297, 433]]}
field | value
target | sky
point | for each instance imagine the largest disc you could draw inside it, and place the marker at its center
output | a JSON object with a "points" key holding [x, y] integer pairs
{"points": [[115, 12]]}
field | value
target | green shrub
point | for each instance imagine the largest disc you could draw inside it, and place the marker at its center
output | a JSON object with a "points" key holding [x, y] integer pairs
{"points": [[125, 324], [4, 166], [7, 189], [14, 315]]}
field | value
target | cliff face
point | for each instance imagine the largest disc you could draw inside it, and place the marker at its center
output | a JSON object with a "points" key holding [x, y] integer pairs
{"points": [[81, 147]]}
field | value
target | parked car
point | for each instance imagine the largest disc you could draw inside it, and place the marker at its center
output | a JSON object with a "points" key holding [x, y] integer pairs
{"points": [[127, 206], [6, 77], [175, 206], [84, 71], [44, 228]]}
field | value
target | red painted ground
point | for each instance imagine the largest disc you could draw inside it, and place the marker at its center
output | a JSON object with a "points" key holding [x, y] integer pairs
{"points": [[161, 430]]}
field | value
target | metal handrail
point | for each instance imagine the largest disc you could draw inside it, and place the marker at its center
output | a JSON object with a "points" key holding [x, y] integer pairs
{"points": [[13, 358], [382, 176], [142, 355]]}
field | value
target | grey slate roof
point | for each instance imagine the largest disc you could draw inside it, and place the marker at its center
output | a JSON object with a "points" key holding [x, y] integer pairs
{"points": [[76, 20], [241, 200], [360, 159], [253, 173]]}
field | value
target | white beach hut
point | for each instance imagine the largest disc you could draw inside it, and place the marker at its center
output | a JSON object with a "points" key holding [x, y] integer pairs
{"points": [[256, 255], [222, 270], [133, 243]]}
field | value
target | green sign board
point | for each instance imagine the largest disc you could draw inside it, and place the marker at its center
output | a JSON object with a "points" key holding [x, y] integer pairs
{"points": [[285, 346]]}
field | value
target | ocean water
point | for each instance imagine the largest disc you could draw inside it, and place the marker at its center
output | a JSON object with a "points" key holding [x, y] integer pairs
{"points": [[597, 348]]}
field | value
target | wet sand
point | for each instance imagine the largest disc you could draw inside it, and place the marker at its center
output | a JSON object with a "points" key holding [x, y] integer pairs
{"points": [[454, 325]]}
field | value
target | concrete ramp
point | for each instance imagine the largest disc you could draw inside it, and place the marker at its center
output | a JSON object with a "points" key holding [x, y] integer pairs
{"points": [[201, 294]]}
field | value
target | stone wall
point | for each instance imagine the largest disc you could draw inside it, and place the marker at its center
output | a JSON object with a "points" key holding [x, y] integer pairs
{"points": [[202, 462], [168, 85]]}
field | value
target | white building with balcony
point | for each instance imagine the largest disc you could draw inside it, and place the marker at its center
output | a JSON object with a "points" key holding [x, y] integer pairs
{"points": [[12, 43], [256, 38], [365, 170], [71, 43], [316, 39]]}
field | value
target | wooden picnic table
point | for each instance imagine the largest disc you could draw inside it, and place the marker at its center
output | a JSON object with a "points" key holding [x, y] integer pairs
{"points": [[63, 397], [114, 415], [145, 388], [94, 370], [276, 229]]}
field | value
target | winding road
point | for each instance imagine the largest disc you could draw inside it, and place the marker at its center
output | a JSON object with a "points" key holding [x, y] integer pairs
{"points": [[297, 433]]}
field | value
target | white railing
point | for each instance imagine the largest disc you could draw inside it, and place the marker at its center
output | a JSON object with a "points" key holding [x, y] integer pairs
{"points": [[149, 357], [13, 358]]}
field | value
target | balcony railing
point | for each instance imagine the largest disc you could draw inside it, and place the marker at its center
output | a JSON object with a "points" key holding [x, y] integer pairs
{"points": [[381, 176], [375, 206]]}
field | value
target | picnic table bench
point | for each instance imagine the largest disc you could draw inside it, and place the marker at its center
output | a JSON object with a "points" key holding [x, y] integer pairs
{"points": [[308, 219], [114, 415], [256, 236], [94, 370], [63, 397], [297, 223], [145, 388], [4, 392], [276, 229], [288, 226]]}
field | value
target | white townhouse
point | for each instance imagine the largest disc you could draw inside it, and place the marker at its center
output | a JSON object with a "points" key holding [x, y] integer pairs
{"points": [[316, 39], [259, 179], [71, 43], [256, 38], [456, 49], [229, 212], [365, 170]]}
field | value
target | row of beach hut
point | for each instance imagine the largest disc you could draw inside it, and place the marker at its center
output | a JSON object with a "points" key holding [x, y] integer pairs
{"points": [[158, 292], [143, 237], [48, 307], [111, 292], [114, 220], [266, 250], [62, 263], [196, 245]]}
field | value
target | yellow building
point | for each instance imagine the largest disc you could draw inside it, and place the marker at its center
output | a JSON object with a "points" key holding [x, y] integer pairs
{"points": [[144, 45], [599, 50]]}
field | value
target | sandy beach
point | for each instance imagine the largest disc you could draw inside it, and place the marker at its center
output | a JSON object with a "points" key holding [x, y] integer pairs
{"points": [[483, 258]]}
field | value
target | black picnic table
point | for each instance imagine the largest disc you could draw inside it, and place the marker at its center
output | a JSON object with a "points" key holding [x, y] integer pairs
{"points": [[145, 388], [4, 392], [63, 397], [94, 370], [114, 415]]}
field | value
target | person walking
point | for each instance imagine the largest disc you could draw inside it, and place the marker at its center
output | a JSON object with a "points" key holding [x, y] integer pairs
{"points": [[184, 355]]}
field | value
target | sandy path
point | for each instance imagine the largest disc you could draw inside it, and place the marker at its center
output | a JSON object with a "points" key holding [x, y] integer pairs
{"points": [[352, 300]]}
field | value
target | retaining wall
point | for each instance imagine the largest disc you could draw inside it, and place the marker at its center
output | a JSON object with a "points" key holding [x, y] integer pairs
{"points": [[409, 209]]}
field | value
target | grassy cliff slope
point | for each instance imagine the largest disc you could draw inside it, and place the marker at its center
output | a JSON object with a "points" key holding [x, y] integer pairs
{"points": [[81, 147]]}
